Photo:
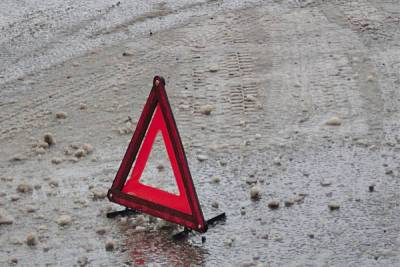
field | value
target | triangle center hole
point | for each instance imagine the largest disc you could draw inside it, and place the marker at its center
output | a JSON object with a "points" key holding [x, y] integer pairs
{"points": [[158, 171]]}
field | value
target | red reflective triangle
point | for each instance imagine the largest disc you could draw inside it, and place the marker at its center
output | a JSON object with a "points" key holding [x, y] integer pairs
{"points": [[184, 209], [134, 187]]}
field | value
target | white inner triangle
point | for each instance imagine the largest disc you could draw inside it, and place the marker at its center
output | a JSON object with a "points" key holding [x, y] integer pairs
{"points": [[158, 172]]}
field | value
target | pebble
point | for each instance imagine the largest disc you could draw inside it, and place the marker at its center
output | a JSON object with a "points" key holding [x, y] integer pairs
{"points": [[206, 109], [216, 179], [361, 142], [83, 261], [80, 153], [110, 245], [127, 54], [61, 115], [223, 162], [139, 220], [257, 136], [333, 206], [139, 229], [325, 183], [49, 139], [5, 217], [215, 204], [389, 172], [124, 130], [251, 98], [202, 157], [101, 231], [255, 192], [74, 146], [56, 161], [14, 198], [64, 220], [53, 183], [37, 186], [99, 193], [264, 236], [273, 205], [123, 220], [299, 198], [31, 209], [42, 144], [82, 106], [39, 151], [31, 240], [334, 121], [370, 78], [213, 68], [88, 148], [73, 160], [289, 202], [43, 227], [251, 180], [184, 107], [24, 188], [68, 151], [277, 161], [14, 260], [371, 188], [229, 242]]}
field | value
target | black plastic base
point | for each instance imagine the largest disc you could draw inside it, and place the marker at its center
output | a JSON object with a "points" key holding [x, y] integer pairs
{"points": [[219, 217], [123, 213], [210, 222]]}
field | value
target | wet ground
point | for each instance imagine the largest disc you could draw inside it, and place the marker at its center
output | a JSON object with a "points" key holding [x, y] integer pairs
{"points": [[304, 98]]}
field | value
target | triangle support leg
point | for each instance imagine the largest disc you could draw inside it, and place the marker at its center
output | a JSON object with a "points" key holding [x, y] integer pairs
{"points": [[213, 220], [210, 222], [123, 213]]}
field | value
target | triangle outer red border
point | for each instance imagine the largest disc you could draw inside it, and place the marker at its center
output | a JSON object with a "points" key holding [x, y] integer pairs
{"points": [[195, 221]]}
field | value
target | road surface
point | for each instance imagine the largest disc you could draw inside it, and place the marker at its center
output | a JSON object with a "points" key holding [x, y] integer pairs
{"points": [[305, 107]]}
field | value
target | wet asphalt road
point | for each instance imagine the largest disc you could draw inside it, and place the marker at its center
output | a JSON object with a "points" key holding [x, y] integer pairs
{"points": [[304, 98]]}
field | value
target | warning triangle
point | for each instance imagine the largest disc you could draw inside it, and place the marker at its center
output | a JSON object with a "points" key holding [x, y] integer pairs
{"points": [[128, 190]]}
